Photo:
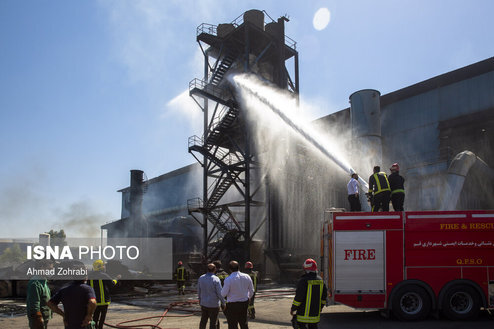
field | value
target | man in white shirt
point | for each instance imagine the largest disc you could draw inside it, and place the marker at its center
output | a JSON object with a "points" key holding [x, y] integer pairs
{"points": [[238, 289], [353, 196]]}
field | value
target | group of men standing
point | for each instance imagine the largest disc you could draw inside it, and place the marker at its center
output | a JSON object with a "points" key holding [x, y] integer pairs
{"points": [[382, 189], [237, 288], [235, 296], [85, 305]]}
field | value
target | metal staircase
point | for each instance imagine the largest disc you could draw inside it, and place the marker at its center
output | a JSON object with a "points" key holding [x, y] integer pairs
{"points": [[221, 216], [224, 66], [225, 164], [224, 123], [220, 188], [226, 230], [224, 151]]}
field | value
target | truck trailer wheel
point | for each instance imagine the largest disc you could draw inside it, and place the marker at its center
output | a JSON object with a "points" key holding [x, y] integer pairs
{"points": [[461, 302], [411, 303]]}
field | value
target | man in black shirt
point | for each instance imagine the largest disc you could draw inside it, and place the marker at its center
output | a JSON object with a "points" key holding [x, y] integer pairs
{"points": [[397, 185], [79, 303]]}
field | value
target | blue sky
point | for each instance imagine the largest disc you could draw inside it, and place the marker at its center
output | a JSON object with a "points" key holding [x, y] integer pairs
{"points": [[86, 87]]}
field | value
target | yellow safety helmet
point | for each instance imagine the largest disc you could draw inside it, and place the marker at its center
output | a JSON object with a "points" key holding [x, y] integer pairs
{"points": [[98, 265]]}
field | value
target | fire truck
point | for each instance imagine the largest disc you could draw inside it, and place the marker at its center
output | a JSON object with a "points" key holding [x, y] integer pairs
{"points": [[410, 263]]}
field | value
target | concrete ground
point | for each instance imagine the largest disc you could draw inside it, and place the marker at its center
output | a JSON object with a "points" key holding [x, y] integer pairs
{"points": [[272, 312]]}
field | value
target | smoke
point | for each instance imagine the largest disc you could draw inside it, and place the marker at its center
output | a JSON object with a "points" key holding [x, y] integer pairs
{"points": [[28, 208], [81, 219], [22, 203], [19, 198]]}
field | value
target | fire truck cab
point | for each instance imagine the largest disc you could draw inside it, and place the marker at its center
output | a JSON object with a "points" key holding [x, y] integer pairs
{"points": [[410, 263]]}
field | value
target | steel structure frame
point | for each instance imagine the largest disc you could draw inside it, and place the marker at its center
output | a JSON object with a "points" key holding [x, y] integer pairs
{"points": [[225, 150]]}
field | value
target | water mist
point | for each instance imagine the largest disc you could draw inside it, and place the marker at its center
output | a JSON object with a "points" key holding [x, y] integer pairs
{"points": [[306, 169], [273, 99]]}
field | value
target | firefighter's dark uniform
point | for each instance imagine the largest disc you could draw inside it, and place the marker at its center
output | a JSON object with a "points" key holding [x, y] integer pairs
{"points": [[181, 275], [253, 276], [222, 275], [379, 186], [397, 185], [309, 299], [101, 284]]}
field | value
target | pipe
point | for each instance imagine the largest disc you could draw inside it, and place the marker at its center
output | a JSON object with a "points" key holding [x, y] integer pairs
{"points": [[136, 198], [365, 116], [458, 170]]}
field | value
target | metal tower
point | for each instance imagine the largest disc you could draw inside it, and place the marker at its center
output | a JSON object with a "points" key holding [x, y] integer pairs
{"points": [[225, 151]]}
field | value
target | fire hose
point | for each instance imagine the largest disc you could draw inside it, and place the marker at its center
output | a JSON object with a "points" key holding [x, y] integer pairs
{"points": [[123, 324], [179, 306]]}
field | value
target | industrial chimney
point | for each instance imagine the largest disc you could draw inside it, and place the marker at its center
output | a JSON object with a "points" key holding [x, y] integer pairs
{"points": [[137, 222]]}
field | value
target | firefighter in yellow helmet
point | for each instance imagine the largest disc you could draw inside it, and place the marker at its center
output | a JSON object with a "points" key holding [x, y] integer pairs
{"points": [[101, 282], [310, 297], [249, 269], [181, 275]]}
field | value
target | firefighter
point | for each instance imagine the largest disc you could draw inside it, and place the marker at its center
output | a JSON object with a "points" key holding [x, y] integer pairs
{"points": [[220, 272], [379, 190], [397, 185], [249, 269], [101, 282], [310, 297], [181, 275]]}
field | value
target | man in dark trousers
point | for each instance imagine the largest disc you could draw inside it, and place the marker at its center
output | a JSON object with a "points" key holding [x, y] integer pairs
{"points": [[79, 303], [181, 275], [249, 269], [379, 190], [209, 293], [101, 283], [310, 297], [353, 193], [238, 289], [397, 185]]}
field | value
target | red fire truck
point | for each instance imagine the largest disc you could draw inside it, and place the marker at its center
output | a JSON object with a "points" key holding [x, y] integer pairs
{"points": [[410, 263]]}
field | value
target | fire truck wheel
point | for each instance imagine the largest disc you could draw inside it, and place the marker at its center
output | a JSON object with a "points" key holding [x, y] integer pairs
{"points": [[411, 303], [461, 302]]}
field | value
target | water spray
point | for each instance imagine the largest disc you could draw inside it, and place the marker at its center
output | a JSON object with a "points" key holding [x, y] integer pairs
{"points": [[240, 82]]}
